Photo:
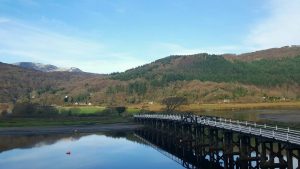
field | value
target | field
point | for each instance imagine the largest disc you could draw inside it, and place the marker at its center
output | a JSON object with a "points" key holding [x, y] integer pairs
{"points": [[81, 110]]}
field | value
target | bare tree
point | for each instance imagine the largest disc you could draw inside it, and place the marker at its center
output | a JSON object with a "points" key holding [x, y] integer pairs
{"points": [[173, 103]]}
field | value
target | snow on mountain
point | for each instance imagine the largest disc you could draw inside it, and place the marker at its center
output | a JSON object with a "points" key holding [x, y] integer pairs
{"points": [[46, 67]]}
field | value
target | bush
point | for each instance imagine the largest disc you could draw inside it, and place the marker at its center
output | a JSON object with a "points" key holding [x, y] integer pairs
{"points": [[33, 110], [107, 112], [239, 92], [173, 103], [4, 113], [120, 109]]}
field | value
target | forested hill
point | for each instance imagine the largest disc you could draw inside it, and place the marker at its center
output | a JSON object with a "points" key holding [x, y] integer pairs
{"points": [[20, 83], [252, 77], [257, 68]]}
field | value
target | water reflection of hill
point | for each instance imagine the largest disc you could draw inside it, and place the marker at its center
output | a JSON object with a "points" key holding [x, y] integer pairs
{"points": [[12, 142], [29, 141]]}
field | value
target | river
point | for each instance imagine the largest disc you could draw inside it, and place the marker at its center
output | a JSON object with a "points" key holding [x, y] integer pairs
{"points": [[100, 150]]}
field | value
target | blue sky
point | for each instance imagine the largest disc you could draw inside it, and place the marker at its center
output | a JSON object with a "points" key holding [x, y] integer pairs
{"points": [[106, 36]]}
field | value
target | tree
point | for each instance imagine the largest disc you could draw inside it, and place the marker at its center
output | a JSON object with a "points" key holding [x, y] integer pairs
{"points": [[66, 99], [173, 103], [120, 109], [34, 110]]}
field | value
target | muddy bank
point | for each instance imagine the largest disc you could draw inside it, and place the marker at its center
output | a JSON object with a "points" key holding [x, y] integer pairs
{"points": [[285, 118], [68, 129]]}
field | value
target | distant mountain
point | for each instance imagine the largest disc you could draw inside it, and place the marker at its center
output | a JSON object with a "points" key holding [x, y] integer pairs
{"points": [[273, 53], [18, 82], [46, 67]]}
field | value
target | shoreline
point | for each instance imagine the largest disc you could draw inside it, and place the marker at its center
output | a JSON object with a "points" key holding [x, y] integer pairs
{"points": [[194, 107], [77, 129]]}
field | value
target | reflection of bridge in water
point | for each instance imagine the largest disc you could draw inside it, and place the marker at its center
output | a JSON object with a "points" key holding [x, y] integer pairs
{"points": [[209, 142]]}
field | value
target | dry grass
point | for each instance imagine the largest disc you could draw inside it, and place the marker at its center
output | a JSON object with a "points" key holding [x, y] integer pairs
{"points": [[150, 107], [231, 106], [221, 106]]}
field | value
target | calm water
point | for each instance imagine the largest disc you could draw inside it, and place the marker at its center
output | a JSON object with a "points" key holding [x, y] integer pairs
{"points": [[259, 115], [113, 150]]}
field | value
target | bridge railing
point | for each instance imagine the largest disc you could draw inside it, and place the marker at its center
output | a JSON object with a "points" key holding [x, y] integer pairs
{"points": [[275, 132], [265, 126]]}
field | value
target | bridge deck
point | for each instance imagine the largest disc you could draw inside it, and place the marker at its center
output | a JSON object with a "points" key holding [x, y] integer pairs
{"points": [[271, 132]]}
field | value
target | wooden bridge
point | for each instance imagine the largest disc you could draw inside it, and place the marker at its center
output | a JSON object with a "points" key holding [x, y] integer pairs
{"points": [[273, 132], [272, 146]]}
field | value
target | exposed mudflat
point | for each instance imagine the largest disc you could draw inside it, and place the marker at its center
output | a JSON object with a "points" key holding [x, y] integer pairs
{"points": [[286, 117]]}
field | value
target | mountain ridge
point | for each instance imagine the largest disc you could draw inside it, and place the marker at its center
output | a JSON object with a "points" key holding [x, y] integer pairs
{"points": [[200, 77], [46, 67], [272, 53]]}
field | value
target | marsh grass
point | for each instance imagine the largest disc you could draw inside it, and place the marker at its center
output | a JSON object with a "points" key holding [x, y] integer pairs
{"points": [[22, 122]]}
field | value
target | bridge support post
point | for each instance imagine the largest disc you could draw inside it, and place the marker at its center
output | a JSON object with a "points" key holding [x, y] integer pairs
{"points": [[228, 149], [244, 151], [298, 158], [282, 162], [272, 154], [196, 141], [212, 144], [263, 156], [289, 157]]}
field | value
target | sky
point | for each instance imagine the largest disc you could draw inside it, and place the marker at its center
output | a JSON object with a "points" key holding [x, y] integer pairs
{"points": [[104, 36]]}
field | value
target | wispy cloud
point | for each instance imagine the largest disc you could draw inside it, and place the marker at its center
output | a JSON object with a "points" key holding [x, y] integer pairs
{"points": [[20, 40], [4, 20], [280, 28]]}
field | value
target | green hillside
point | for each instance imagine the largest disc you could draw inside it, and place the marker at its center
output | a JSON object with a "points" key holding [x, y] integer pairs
{"points": [[251, 77], [216, 68]]}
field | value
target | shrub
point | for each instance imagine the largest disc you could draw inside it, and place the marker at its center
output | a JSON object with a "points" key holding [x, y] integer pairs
{"points": [[120, 109], [4, 113], [33, 110], [173, 103]]}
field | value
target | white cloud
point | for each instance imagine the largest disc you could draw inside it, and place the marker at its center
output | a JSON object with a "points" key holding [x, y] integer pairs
{"points": [[23, 41], [280, 28]]}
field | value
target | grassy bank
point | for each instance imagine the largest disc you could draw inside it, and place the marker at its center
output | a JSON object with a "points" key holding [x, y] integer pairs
{"points": [[80, 110], [21, 122], [70, 115], [241, 106], [156, 107], [92, 110]]}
